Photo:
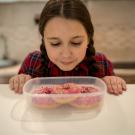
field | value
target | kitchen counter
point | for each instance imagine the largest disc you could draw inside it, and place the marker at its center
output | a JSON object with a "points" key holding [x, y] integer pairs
{"points": [[125, 71], [127, 74], [8, 72], [116, 118]]}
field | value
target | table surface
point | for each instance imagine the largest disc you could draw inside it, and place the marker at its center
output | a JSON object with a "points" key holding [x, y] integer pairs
{"points": [[117, 117]]}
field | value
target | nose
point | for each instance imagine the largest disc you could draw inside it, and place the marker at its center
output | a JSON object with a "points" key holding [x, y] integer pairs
{"points": [[66, 52]]}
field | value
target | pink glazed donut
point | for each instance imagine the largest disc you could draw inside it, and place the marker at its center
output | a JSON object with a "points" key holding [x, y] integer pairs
{"points": [[41, 100], [67, 92], [87, 100], [63, 94], [78, 96]]}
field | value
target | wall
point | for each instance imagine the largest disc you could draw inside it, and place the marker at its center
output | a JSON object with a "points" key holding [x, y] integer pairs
{"points": [[114, 24], [114, 28], [17, 24]]}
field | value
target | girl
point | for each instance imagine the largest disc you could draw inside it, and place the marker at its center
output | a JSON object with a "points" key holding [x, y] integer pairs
{"points": [[67, 48]]}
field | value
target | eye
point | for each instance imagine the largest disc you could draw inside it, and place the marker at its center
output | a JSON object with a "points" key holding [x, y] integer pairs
{"points": [[76, 43], [55, 44]]}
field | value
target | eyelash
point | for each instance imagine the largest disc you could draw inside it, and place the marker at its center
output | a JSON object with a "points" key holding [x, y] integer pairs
{"points": [[58, 44], [76, 44]]}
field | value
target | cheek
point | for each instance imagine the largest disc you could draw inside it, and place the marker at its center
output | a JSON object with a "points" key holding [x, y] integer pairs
{"points": [[81, 52], [52, 53]]}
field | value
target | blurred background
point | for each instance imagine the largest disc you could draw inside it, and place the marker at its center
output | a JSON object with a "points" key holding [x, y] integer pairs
{"points": [[113, 20]]}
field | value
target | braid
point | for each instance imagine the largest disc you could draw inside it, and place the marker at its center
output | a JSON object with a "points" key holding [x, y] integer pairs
{"points": [[90, 53], [68, 9], [44, 59]]}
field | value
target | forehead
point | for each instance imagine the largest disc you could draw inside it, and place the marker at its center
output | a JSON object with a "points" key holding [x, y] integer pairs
{"points": [[60, 26]]}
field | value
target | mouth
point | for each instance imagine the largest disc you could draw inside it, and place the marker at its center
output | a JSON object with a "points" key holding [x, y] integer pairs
{"points": [[67, 63]]}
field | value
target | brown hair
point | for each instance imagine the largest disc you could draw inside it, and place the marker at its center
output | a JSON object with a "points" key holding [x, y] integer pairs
{"points": [[70, 9]]}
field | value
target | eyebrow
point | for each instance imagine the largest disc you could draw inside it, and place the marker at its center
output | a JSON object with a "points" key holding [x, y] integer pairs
{"points": [[56, 38], [77, 37]]}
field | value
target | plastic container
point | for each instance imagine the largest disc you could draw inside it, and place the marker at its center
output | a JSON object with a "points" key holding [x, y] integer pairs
{"points": [[75, 101]]}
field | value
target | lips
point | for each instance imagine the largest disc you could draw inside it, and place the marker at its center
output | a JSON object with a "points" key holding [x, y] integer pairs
{"points": [[66, 63]]}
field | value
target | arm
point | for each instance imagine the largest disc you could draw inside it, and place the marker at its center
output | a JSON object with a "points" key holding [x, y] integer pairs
{"points": [[17, 82], [27, 71], [115, 84]]}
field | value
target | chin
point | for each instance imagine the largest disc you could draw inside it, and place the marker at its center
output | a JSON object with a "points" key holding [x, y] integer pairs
{"points": [[66, 69]]}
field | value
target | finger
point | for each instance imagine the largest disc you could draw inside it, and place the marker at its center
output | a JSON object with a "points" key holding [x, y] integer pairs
{"points": [[25, 79], [124, 86], [16, 84], [28, 77], [11, 84], [119, 85], [22, 81], [114, 85], [109, 87]]}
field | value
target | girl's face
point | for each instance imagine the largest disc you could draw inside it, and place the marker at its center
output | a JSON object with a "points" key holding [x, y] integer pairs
{"points": [[66, 42]]}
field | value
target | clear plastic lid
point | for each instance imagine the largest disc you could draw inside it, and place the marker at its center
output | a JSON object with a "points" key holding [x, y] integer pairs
{"points": [[52, 81]]}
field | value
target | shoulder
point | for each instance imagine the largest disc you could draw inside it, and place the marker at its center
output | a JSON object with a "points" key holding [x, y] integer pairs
{"points": [[105, 65], [33, 58], [34, 54], [31, 64], [100, 57]]}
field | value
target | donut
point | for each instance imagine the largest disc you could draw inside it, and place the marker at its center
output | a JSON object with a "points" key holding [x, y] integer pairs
{"points": [[42, 99], [78, 96], [87, 100], [66, 92], [44, 102]]}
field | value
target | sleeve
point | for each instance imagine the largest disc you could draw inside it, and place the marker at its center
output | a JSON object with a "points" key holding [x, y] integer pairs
{"points": [[105, 66], [108, 66], [31, 65], [25, 65]]}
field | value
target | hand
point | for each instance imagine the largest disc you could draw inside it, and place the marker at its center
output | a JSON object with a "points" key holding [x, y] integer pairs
{"points": [[17, 82], [115, 85]]}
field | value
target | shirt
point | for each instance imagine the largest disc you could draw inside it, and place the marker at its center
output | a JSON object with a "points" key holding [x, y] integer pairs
{"points": [[32, 63]]}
